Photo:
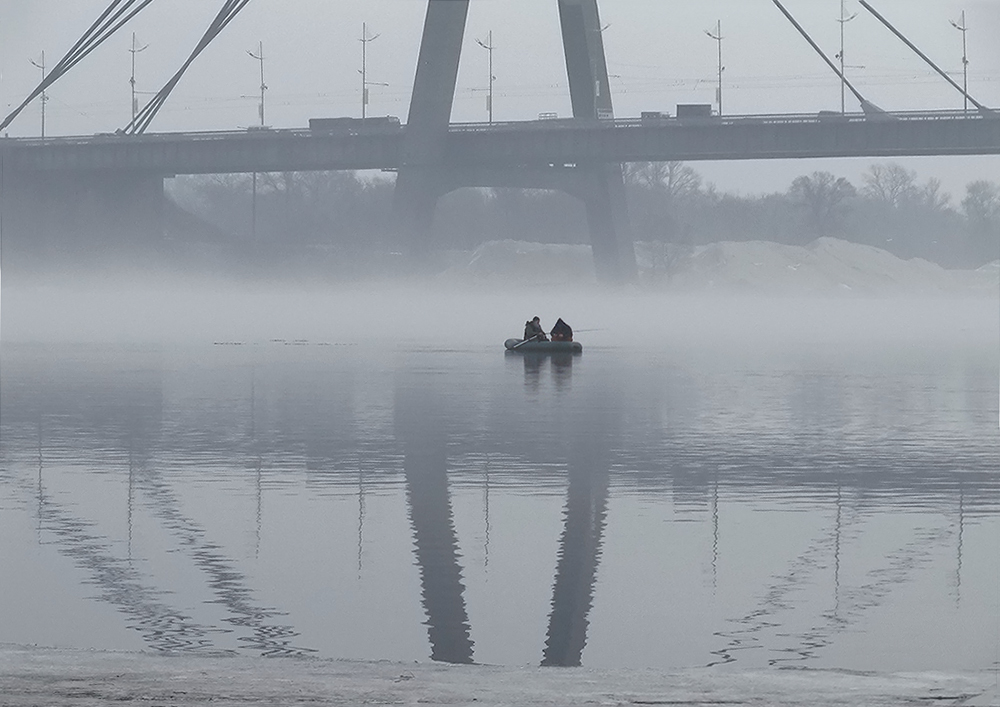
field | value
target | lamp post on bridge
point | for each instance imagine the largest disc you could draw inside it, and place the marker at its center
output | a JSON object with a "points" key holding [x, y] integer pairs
{"points": [[489, 47], [964, 29], [259, 56], [45, 96], [717, 36], [133, 51], [843, 20], [365, 83]]}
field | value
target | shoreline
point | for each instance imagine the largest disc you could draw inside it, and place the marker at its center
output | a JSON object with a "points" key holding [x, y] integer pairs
{"points": [[32, 675]]}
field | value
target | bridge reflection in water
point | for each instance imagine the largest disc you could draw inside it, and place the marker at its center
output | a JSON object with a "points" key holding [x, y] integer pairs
{"points": [[422, 427], [565, 427], [588, 454], [421, 432]]}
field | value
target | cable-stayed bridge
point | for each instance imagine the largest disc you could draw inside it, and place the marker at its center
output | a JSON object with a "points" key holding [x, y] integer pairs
{"points": [[114, 181]]}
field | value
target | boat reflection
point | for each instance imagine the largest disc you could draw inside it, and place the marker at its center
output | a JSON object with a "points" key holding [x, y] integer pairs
{"points": [[560, 365]]}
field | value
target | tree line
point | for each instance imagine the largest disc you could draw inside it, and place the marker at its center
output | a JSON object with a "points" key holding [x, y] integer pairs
{"points": [[348, 216]]}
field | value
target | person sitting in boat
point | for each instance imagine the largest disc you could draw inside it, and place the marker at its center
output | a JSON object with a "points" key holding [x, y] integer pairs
{"points": [[562, 331], [533, 330]]}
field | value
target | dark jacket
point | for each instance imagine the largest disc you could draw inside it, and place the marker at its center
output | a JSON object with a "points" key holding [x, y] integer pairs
{"points": [[562, 331], [532, 330]]}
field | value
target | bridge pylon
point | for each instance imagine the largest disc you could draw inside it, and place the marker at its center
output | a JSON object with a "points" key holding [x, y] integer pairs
{"points": [[425, 174]]}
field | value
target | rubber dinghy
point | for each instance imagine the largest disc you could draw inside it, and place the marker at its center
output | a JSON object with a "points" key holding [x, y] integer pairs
{"points": [[563, 347]]}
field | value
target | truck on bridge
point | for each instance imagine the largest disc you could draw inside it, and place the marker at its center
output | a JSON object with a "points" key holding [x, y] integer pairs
{"points": [[694, 110]]}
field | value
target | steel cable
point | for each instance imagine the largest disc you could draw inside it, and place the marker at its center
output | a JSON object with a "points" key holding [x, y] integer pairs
{"points": [[114, 17], [142, 120]]}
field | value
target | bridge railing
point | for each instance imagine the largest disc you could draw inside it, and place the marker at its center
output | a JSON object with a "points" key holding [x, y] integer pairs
{"points": [[499, 127], [112, 138], [763, 118]]}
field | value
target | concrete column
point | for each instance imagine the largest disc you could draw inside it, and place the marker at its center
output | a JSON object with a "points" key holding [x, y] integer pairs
{"points": [[424, 177], [420, 182], [590, 90], [586, 65], [418, 189]]}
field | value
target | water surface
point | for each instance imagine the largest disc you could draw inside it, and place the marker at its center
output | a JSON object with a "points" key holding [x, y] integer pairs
{"points": [[638, 505]]}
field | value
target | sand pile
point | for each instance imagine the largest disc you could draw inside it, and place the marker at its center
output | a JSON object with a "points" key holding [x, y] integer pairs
{"points": [[826, 266]]}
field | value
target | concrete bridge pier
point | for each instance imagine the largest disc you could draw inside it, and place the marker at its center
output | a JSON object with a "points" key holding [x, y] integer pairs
{"points": [[418, 190], [426, 173], [590, 93], [420, 182], [78, 218], [608, 221]]}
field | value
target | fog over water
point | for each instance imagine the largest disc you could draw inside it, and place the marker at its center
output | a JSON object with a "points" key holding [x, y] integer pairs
{"points": [[198, 311], [235, 424], [361, 472]]}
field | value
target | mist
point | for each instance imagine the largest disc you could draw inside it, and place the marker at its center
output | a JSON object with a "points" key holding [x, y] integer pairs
{"points": [[295, 432], [398, 315]]}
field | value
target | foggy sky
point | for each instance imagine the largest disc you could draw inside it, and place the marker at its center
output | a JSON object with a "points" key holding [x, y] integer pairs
{"points": [[657, 50]]}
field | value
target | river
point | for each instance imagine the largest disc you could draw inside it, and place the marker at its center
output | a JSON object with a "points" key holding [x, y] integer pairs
{"points": [[710, 502]]}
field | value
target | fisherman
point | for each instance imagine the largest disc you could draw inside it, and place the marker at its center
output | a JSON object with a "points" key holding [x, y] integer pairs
{"points": [[533, 330], [562, 331]]}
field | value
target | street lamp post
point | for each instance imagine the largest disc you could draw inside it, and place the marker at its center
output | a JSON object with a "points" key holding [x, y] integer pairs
{"points": [[259, 56], [45, 96], [717, 36], [844, 19], [365, 83], [133, 51], [488, 46], [964, 29]]}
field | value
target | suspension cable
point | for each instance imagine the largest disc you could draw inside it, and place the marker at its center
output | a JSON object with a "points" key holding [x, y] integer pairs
{"points": [[230, 8], [114, 17], [979, 106]]}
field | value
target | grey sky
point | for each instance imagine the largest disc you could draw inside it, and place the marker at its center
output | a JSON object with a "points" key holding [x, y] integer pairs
{"points": [[657, 51]]}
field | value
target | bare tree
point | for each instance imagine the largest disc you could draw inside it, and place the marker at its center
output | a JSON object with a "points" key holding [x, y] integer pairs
{"points": [[890, 184], [681, 181], [982, 203], [648, 175], [931, 197], [674, 179], [982, 211], [822, 195]]}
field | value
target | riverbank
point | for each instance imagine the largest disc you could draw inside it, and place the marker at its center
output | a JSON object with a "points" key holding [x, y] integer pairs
{"points": [[59, 677]]}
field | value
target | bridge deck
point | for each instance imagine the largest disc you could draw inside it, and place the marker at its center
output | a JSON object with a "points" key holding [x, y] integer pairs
{"points": [[532, 143]]}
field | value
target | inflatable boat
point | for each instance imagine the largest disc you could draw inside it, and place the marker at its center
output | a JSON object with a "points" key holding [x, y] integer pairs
{"points": [[562, 347]]}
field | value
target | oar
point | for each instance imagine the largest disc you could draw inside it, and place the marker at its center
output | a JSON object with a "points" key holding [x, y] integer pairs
{"points": [[517, 346]]}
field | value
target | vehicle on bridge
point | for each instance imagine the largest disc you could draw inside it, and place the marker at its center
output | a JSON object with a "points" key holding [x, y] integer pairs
{"points": [[694, 110]]}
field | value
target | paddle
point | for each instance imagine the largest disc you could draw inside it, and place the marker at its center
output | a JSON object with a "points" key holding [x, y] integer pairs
{"points": [[517, 346]]}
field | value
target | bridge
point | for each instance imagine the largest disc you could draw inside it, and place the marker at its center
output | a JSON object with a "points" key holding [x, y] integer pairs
{"points": [[528, 145], [117, 178]]}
